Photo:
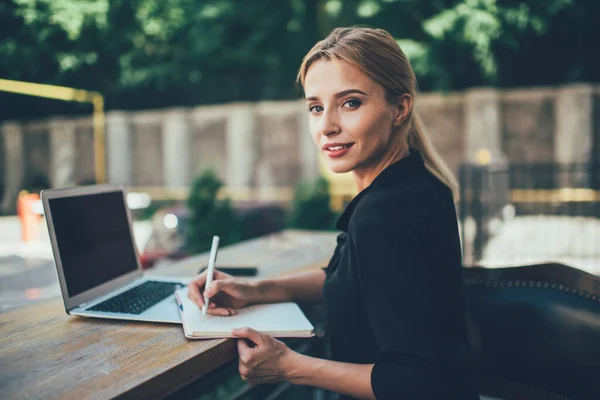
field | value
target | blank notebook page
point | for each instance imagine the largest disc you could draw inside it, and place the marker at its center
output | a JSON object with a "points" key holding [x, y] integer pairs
{"points": [[278, 319]]}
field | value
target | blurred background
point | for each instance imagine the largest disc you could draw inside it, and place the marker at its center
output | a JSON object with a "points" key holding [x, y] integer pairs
{"points": [[192, 104]]}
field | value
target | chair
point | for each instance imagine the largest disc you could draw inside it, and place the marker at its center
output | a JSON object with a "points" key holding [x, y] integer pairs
{"points": [[535, 331]]}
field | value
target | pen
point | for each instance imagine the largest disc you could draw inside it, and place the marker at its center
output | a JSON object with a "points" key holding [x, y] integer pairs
{"points": [[211, 269]]}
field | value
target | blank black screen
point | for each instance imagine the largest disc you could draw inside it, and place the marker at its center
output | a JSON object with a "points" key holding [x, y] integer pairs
{"points": [[93, 239]]}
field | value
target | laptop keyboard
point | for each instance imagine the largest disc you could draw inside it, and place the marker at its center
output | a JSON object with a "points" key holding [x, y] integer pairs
{"points": [[138, 299]]}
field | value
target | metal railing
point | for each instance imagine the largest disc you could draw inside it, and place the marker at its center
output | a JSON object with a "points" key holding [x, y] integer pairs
{"points": [[70, 94], [522, 213]]}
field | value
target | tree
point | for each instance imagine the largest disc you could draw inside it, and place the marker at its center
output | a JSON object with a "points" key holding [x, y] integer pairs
{"points": [[210, 216], [505, 43], [152, 53], [311, 207]]}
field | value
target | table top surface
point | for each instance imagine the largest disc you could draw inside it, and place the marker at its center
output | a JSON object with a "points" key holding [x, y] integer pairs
{"points": [[45, 353]]}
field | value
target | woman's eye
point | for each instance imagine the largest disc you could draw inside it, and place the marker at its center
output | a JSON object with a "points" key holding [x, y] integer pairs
{"points": [[315, 109], [352, 103]]}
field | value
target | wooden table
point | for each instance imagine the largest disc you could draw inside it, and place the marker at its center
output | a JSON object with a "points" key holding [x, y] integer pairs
{"points": [[45, 353]]}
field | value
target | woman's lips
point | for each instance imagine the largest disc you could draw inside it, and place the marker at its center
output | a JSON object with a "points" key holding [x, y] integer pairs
{"points": [[338, 153]]}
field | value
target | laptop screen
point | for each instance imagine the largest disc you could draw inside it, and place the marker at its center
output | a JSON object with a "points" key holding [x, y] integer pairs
{"points": [[94, 240]]}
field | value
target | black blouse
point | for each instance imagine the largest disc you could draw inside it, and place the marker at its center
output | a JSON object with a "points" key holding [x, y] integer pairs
{"points": [[393, 295]]}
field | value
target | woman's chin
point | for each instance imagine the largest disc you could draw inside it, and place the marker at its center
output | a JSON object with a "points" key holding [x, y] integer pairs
{"points": [[339, 166]]}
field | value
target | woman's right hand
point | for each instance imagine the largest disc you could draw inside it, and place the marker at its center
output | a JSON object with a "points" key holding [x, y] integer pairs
{"points": [[226, 293]]}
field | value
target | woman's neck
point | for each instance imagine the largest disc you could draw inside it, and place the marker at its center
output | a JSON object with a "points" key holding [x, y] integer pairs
{"points": [[363, 177]]}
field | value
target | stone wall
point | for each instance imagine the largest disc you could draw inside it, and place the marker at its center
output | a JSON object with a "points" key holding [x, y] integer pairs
{"points": [[444, 121], [208, 144], [84, 151], [36, 147], [2, 169], [268, 144], [596, 139], [147, 149], [527, 125]]}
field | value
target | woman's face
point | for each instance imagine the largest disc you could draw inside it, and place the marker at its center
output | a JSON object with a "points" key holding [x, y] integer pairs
{"points": [[350, 120]]}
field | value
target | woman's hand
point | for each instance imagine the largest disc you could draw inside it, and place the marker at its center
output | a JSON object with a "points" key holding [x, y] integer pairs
{"points": [[269, 361], [226, 293]]}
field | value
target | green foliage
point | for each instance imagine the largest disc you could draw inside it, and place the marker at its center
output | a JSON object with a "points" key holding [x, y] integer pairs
{"points": [[210, 216], [311, 207], [66, 14], [154, 53], [225, 388], [479, 25], [147, 213]]}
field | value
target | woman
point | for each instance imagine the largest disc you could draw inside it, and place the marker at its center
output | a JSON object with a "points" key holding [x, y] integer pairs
{"points": [[393, 288]]}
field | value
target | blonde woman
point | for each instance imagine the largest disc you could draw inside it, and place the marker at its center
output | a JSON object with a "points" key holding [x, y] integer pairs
{"points": [[393, 290]]}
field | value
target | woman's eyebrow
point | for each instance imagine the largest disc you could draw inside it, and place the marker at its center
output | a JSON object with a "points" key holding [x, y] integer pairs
{"points": [[340, 94]]}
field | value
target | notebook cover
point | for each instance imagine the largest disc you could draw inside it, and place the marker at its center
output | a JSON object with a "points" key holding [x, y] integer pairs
{"points": [[190, 336]]}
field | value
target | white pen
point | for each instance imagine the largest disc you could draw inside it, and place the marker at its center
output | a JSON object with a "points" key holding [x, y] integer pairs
{"points": [[210, 270]]}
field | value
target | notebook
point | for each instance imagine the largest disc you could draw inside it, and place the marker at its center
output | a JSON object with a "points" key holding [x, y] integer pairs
{"points": [[277, 319]]}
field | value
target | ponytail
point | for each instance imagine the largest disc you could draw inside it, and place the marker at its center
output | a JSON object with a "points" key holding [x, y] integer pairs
{"points": [[418, 139]]}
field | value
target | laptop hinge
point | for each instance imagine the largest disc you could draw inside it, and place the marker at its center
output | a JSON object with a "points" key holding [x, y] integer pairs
{"points": [[82, 305]]}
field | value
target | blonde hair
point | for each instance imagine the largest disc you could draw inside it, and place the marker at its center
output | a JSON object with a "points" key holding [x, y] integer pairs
{"points": [[376, 54]]}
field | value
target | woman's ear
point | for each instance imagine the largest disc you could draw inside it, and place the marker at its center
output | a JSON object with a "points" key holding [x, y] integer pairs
{"points": [[402, 109]]}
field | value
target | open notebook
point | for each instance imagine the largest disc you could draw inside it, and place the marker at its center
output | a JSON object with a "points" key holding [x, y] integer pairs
{"points": [[278, 319]]}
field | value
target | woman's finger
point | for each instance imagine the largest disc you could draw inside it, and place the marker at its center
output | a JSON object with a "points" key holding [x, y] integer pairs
{"points": [[221, 311], [215, 287], [194, 289], [220, 275], [194, 295], [249, 333], [243, 346]]}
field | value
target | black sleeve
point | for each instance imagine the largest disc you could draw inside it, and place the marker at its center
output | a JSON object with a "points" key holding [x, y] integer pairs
{"points": [[396, 289]]}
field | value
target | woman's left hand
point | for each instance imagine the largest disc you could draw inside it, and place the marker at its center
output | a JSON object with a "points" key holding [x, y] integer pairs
{"points": [[267, 362]]}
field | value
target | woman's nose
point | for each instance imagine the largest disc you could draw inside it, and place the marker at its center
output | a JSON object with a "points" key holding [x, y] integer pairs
{"points": [[329, 124]]}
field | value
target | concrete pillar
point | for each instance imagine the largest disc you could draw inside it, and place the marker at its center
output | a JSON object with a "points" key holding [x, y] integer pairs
{"points": [[176, 146], [482, 121], [14, 164], [309, 152], [241, 142], [62, 152], [574, 124], [118, 148], [573, 136], [596, 139]]}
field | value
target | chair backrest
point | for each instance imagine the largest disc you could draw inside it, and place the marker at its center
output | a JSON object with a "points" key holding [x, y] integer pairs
{"points": [[536, 331]]}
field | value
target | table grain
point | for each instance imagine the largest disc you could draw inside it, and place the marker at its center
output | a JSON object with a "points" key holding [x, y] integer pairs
{"points": [[45, 353]]}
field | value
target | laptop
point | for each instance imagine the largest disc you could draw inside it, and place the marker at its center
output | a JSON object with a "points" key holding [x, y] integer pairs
{"points": [[96, 259]]}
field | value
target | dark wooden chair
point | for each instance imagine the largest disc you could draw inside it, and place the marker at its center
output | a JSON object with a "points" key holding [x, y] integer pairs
{"points": [[535, 331]]}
